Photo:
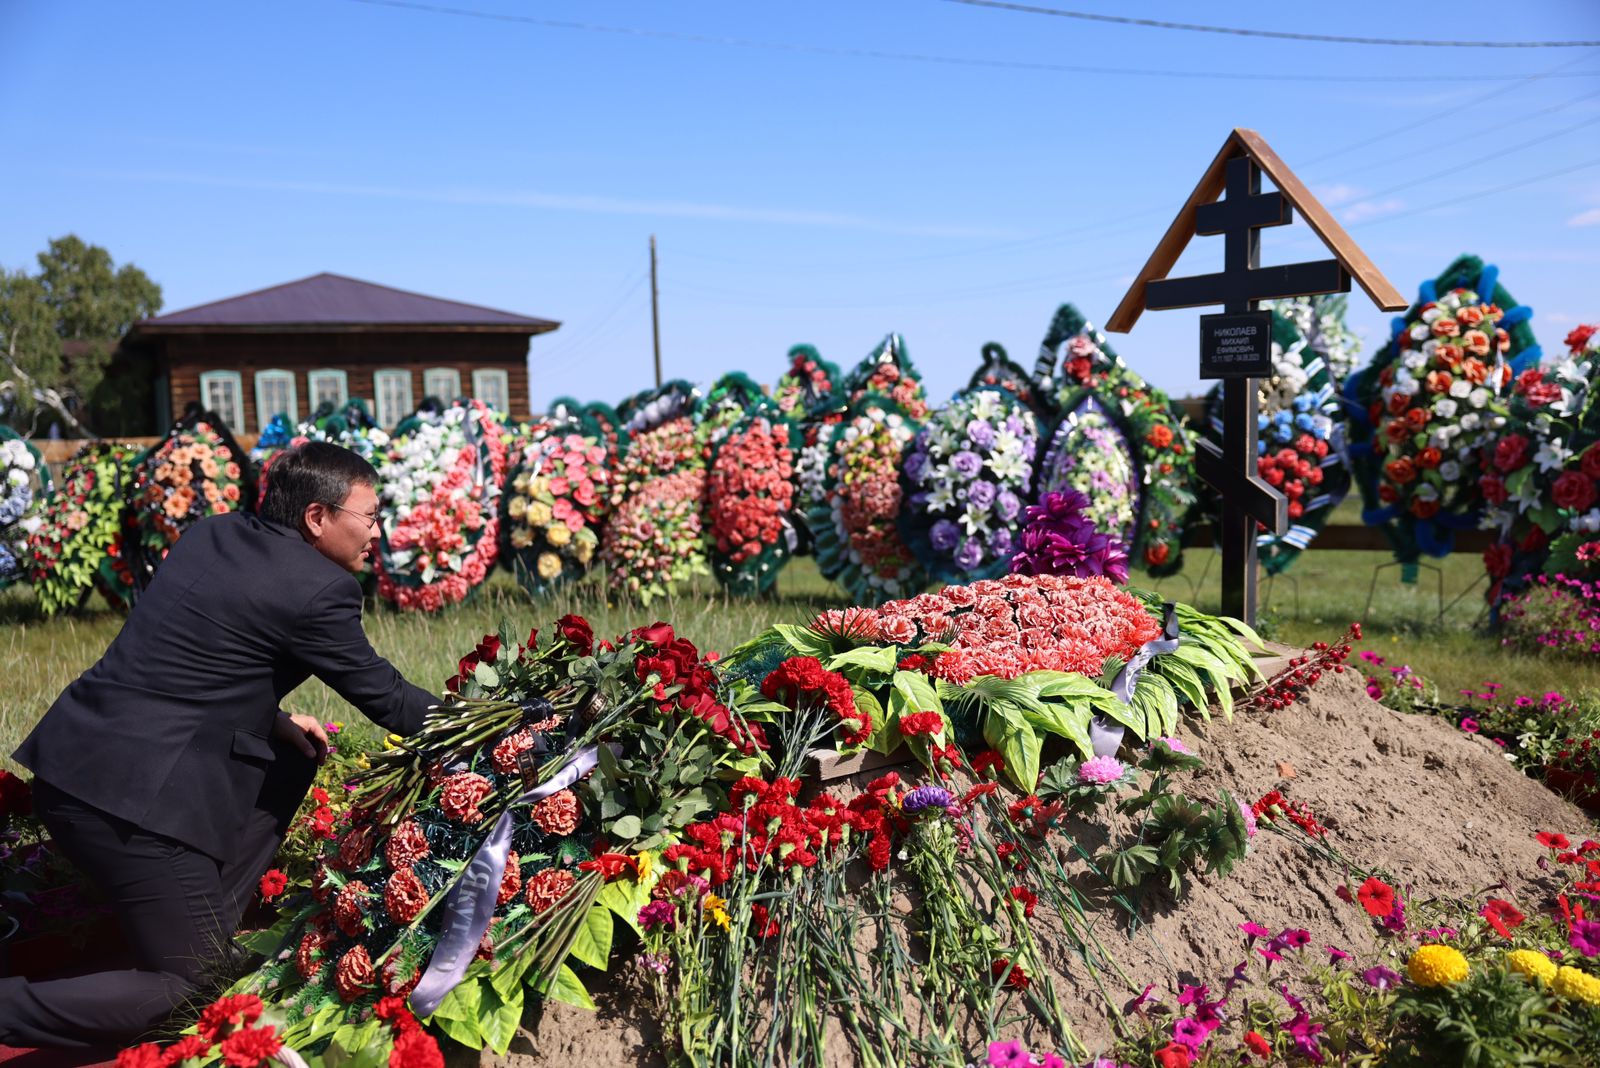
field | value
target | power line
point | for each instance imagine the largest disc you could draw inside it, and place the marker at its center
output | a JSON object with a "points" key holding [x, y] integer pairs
{"points": [[1518, 184], [919, 57], [1281, 35]]}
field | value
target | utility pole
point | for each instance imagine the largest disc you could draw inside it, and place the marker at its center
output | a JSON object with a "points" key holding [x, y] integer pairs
{"points": [[655, 311]]}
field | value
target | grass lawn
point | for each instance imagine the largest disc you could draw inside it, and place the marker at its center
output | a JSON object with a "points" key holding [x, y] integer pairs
{"points": [[41, 656]]}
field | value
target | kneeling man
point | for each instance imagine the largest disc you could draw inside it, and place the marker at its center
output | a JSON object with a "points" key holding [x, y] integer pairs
{"points": [[167, 772]]}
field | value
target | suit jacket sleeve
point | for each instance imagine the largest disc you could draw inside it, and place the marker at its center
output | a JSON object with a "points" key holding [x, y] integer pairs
{"points": [[329, 640]]}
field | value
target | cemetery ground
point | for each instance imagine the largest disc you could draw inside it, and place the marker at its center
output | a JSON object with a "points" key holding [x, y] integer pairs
{"points": [[41, 656]]}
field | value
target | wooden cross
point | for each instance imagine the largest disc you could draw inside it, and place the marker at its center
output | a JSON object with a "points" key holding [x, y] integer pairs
{"points": [[1239, 216]]}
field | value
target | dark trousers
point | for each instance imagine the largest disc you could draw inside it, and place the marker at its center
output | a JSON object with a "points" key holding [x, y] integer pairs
{"points": [[177, 907]]}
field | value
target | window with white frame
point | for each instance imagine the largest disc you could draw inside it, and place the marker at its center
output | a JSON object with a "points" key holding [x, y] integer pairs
{"points": [[492, 388], [275, 395], [392, 401], [441, 382], [327, 386], [221, 392]]}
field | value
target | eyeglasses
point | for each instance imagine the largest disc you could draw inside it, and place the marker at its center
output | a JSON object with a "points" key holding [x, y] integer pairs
{"points": [[370, 520]]}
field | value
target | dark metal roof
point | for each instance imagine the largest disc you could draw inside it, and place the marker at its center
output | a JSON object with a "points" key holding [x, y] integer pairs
{"points": [[333, 302]]}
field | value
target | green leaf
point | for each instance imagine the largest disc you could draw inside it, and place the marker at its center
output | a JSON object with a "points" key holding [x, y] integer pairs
{"points": [[486, 676], [1183, 678], [1007, 731], [625, 897], [627, 828], [507, 979], [1128, 867], [1069, 721], [500, 1026], [569, 990], [592, 945], [805, 641], [879, 658], [886, 736], [1153, 695], [462, 1003]]}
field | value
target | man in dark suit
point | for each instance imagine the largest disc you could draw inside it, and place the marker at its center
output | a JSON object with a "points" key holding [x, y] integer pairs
{"points": [[168, 773]]}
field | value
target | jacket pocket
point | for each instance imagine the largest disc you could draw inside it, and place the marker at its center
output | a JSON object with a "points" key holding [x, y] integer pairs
{"points": [[252, 746]]}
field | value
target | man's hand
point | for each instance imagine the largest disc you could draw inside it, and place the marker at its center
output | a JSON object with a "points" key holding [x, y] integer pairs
{"points": [[305, 733]]}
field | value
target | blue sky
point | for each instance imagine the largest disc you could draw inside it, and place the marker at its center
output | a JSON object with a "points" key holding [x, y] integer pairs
{"points": [[800, 189]]}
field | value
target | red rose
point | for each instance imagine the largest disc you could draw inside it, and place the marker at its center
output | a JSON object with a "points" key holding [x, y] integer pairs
{"points": [[1156, 555], [1544, 393], [1511, 452], [16, 795], [1497, 559], [1573, 490], [404, 897], [489, 648], [576, 630], [1589, 463], [1579, 337], [1533, 540], [1493, 488], [460, 794], [353, 977], [406, 845]]}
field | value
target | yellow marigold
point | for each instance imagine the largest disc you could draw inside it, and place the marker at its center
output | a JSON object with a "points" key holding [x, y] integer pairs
{"points": [[1435, 965], [538, 514], [548, 566], [518, 507], [557, 534], [1531, 963], [1578, 986]]}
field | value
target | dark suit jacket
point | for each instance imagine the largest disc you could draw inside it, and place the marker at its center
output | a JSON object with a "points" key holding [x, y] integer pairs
{"points": [[171, 729]]}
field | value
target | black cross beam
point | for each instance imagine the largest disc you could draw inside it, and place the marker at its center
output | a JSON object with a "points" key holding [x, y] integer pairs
{"points": [[1247, 499]]}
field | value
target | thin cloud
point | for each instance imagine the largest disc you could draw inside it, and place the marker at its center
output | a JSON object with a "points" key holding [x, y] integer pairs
{"points": [[1363, 210], [1586, 218], [1334, 195], [567, 202]]}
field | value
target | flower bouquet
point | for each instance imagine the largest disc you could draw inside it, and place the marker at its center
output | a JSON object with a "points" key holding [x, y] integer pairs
{"points": [[1008, 662], [750, 495], [198, 470], [809, 388], [1299, 441], [438, 536], [1432, 398], [23, 493], [1116, 430], [554, 506], [732, 399], [78, 544], [489, 855], [969, 472], [654, 538], [1543, 505], [888, 372], [855, 527]]}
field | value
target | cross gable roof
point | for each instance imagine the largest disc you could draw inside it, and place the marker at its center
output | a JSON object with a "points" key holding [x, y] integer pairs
{"points": [[335, 303], [1243, 142]]}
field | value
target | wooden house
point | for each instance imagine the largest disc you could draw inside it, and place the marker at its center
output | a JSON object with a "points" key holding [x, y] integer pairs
{"points": [[330, 338]]}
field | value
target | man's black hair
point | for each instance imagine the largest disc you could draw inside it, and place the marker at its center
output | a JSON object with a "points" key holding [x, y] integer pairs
{"points": [[316, 472]]}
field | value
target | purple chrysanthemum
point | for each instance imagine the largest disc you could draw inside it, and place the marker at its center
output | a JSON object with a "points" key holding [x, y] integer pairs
{"points": [[1058, 539], [924, 797]]}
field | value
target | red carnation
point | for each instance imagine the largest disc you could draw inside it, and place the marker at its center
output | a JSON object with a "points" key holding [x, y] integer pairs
{"points": [[920, 723], [548, 887], [248, 1048], [308, 957], [1028, 899], [353, 976], [147, 1055], [557, 814], [1377, 897], [228, 1013], [460, 795], [1497, 560], [404, 897], [415, 1048], [272, 884], [1016, 978], [407, 844], [350, 907], [1493, 488]]}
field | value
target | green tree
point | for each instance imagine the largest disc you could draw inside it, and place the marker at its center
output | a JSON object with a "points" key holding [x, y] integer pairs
{"points": [[60, 327]]}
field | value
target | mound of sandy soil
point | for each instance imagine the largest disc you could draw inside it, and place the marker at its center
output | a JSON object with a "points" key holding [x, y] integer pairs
{"points": [[1440, 810]]}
